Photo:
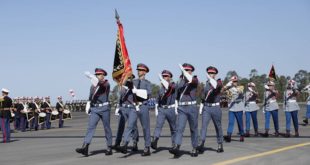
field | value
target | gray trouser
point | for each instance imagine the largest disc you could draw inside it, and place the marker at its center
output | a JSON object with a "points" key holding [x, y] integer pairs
{"points": [[215, 114], [96, 114], [130, 116], [169, 115], [187, 113], [144, 118]]}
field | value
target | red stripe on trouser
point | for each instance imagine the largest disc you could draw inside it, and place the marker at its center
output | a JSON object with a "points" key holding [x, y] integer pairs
{"points": [[4, 130]]}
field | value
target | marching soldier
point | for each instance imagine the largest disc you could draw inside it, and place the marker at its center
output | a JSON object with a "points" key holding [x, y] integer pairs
{"points": [[60, 108], [46, 105], [37, 109], [251, 109], [5, 114], [210, 109], [142, 92], [32, 108], [271, 107], [236, 108], [99, 109], [307, 90], [186, 109], [23, 117], [164, 109], [17, 114], [291, 107]]}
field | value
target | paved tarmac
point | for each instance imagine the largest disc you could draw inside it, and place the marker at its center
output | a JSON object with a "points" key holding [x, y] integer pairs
{"points": [[57, 146]]}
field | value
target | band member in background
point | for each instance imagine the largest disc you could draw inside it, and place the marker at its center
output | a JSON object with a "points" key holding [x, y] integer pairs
{"points": [[164, 109], [236, 108], [60, 108], [186, 109], [37, 109], [46, 105], [210, 109], [99, 109], [251, 109], [5, 114], [307, 90], [23, 114], [17, 114], [271, 107], [291, 107], [32, 108]]}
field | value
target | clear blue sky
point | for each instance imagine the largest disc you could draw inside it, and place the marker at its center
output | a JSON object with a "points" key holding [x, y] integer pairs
{"points": [[45, 46]]}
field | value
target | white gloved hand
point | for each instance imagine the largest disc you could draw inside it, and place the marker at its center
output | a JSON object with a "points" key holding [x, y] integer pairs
{"points": [[117, 111], [250, 89], [93, 79], [137, 108], [163, 81], [229, 84], [266, 86], [200, 108], [186, 74], [134, 90], [156, 110], [176, 107], [212, 81], [87, 108]]}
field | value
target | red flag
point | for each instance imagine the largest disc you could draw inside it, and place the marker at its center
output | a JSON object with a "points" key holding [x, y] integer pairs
{"points": [[272, 73], [122, 66]]}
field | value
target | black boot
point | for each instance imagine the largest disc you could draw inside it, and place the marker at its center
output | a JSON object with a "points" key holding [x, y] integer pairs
{"points": [[154, 143], [266, 134], [201, 147], [175, 150], [288, 134], [247, 134], [146, 152], [220, 148], [276, 134], [227, 138], [116, 145], [109, 151], [194, 152], [83, 150], [256, 133], [123, 148], [305, 121], [241, 138], [134, 146], [296, 133]]}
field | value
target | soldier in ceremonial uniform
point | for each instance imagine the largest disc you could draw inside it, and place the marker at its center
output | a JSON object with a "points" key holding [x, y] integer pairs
{"points": [[46, 105], [165, 108], [251, 109], [37, 108], [23, 117], [271, 107], [142, 92], [236, 108], [99, 110], [17, 114], [307, 90], [291, 107], [32, 108], [186, 109], [60, 108], [5, 114], [210, 109]]}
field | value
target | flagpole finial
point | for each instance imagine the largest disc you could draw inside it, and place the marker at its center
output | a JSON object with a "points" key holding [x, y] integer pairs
{"points": [[116, 15]]}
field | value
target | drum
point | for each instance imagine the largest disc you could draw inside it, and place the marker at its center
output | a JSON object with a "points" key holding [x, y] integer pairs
{"points": [[55, 115], [41, 118], [66, 114]]}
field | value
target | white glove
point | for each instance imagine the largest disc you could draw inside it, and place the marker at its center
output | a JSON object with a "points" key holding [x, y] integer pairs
{"points": [[140, 92], [137, 108], [87, 108], [186, 74], [134, 90], [93, 79], [212, 81], [156, 110], [200, 108], [117, 111], [229, 84], [176, 107], [250, 89], [266, 86], [163, 81]]}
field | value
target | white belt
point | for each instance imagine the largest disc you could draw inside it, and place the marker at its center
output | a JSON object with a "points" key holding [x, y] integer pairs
{"points": [[101, 105], [252, 102], [187, 103], [291, 101], [167, 106], [272, 101], [212, 104]]}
